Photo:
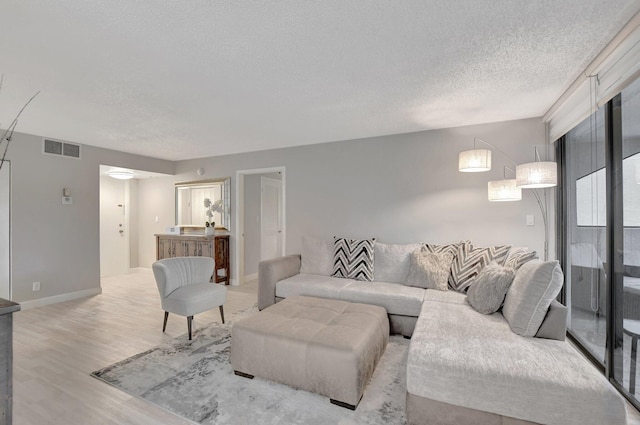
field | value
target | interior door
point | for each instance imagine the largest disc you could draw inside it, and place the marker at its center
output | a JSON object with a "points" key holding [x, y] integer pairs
{"points": [[270, 218], [114, 237]]}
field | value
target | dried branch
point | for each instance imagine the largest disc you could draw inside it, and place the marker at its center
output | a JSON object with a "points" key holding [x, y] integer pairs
{"points": [[8, 133]]}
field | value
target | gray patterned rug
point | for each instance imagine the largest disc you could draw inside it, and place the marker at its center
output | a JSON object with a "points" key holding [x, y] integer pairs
{"points": [[194, 380]]}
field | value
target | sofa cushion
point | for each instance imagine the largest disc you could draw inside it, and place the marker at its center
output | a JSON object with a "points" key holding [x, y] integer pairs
{"points": [[312, 285], [353, 258], [317, 256], [452, 297], [489, 288], [392, 262], [470, 260], [397, 299], [460, 357], [429, 270], [536, 284]]}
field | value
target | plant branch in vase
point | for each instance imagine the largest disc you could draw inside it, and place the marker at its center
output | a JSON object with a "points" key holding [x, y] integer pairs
{"points": [[8, 133], [212, 207]]}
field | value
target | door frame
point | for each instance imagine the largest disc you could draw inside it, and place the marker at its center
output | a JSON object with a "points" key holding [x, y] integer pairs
{"points": [[239, 217]]}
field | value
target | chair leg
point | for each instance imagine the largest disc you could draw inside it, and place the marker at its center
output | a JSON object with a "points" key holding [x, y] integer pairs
{"points": [[222, 314], [164, 325], [189, 321]]}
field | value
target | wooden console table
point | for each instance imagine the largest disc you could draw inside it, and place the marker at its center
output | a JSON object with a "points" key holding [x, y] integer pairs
{"points": [[7, 308], [216, 246]]}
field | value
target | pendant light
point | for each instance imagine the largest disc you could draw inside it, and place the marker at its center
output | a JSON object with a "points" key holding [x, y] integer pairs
{"points": [[538, 174], [504, 190], [474, 160]]}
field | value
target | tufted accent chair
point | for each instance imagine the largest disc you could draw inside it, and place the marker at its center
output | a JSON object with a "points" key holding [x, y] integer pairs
{"points": [[185, 287]]}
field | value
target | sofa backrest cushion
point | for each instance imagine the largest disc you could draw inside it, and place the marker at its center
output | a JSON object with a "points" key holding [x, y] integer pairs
{"points": [[392, 262], [317, 256], [536, 284]]}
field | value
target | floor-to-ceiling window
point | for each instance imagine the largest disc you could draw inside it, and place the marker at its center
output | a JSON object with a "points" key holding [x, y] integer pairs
{"points": [[586, 290], [601, 236]]}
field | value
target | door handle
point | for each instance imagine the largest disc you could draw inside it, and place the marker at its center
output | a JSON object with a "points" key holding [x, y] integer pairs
{"points": [[121, 231]]}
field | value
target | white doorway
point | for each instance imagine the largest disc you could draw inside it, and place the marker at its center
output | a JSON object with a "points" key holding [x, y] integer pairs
{"points": [[114, 226], [260, 220], [5, 231], [270, 218]]}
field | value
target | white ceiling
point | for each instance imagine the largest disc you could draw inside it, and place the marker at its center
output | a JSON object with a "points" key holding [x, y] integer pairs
{"points": [[187, 79]]}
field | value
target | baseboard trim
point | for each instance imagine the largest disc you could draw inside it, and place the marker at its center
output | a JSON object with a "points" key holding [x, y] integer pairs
{"points": [[40, 302]]}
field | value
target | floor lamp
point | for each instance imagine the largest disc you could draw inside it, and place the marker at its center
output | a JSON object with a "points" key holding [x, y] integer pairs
{"points": [[532, 175]]}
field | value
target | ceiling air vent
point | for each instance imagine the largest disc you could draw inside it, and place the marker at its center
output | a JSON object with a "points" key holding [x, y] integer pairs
{"points": [[55, 147]]}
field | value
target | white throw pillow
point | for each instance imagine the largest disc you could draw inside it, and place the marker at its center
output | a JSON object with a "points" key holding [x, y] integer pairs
{"points": [[536, 284], [317, 256], [429, 270], [392, 262]]}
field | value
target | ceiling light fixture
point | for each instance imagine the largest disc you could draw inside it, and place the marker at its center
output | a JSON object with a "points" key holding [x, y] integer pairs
{"points": [[121, 174]]}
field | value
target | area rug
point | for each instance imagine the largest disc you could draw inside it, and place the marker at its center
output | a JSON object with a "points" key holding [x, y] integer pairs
{"points": [[194, 379]]}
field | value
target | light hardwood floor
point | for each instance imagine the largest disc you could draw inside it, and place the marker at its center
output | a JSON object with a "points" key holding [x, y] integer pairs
{"points": [[57, 347]]}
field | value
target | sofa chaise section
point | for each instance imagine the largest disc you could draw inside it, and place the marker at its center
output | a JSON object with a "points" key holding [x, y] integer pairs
{"points": [[464, 359]]}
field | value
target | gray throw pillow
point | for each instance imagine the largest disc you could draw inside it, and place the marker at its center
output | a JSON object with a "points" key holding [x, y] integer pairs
{"points": [[429, 270], [536, 284], [486, 293]]}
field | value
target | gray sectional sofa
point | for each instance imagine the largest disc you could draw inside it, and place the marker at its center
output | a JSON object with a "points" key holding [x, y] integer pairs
{"points": [[463, 367]]}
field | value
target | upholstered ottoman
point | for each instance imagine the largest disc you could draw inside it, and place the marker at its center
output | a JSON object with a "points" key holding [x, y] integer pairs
{"points": [[329, 347]]}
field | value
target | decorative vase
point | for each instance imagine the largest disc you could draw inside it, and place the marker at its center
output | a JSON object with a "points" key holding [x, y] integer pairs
{"points": [[210, 230]]}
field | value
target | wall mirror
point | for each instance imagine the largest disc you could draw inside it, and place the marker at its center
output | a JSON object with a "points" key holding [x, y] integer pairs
{"points": [[190, 201]]}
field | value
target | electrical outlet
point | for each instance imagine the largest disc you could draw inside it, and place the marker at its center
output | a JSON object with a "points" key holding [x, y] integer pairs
{"points": [[36, 286]]}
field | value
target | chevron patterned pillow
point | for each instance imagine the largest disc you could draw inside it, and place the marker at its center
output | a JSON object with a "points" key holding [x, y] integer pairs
{"points": [[353, 258], [517, 259], [469, 261], [451, 248]]}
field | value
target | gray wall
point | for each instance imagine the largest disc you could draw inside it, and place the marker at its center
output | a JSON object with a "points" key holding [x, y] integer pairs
{"points": [[399, 188], [58, 245]]}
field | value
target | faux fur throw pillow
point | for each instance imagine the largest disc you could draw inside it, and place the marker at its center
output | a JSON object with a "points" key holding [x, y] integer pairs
{"points": [[488, 290], [429, 270]]}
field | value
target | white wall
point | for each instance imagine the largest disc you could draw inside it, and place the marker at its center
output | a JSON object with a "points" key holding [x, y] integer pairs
{"points": [[251, 223], [156, 198], [58, 245], [399, 188]]}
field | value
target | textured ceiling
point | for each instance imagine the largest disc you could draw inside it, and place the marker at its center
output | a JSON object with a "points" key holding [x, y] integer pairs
{"points": [[187, 79]]}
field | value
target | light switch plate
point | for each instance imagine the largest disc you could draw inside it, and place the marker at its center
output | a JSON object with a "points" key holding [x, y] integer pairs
{"points": [[531, 220], [67, 200]]}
